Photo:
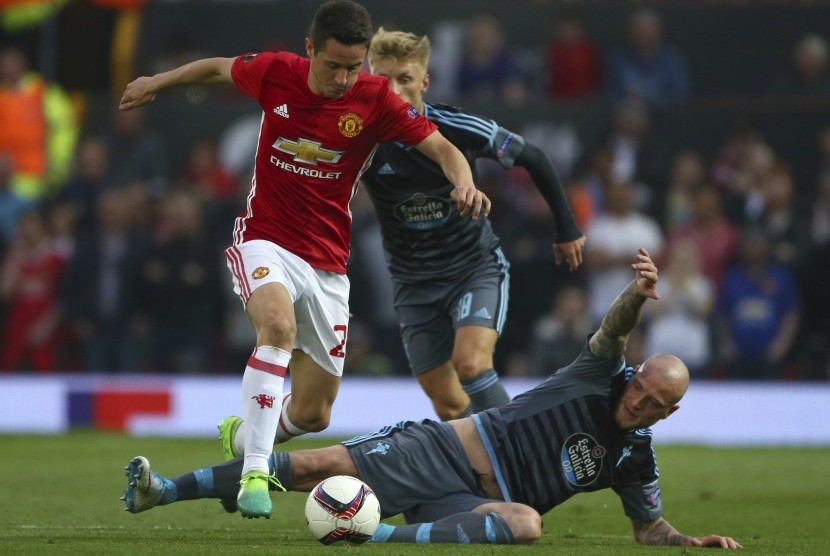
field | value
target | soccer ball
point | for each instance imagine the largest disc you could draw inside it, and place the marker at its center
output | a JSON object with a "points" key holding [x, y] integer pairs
{"points": [[342, 508]]}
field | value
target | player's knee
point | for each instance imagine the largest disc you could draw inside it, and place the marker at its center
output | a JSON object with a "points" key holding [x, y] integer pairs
{"points": [[470, 365], [530, 530], [450, 407], [320, 424], [311, 419], [277, 329], [525, 523], [447, 414]]}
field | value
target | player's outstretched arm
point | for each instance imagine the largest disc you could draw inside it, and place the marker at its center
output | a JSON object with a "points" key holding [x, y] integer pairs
{"points": [[207, 71], [569, 238], [468, 199], [660, 533], [612, 337]]}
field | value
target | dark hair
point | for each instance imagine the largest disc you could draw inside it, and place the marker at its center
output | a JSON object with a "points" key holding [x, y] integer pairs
{"points": [[345, 21]]}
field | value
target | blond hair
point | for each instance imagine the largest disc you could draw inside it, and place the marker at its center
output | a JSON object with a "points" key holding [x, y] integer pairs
{"points": [[399, 45]]}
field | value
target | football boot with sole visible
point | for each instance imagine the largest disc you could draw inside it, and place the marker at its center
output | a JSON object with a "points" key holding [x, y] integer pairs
{"points": [[144, 486]]}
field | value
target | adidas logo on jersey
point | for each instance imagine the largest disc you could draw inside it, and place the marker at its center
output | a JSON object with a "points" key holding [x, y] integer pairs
{"points": [[482, 313], [386, 170], [282, 110]]}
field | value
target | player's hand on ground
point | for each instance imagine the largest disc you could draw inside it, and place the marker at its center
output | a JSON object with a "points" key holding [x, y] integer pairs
{"points": [[138, 93], [646, 275], [716, 541], [570, 251], [469, 200]]}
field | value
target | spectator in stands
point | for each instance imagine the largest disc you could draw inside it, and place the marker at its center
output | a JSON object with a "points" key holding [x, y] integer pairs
{"points": [[687, 175], [715, 237], [526, 243], [137, 153], [814, 347], [98, 290], [181, 49], [782, 220], [810, 71], [820, 218], [560, 332], [372, 292], [634, 156], [37, 131], [823, 151], [62, 219], [645, 68], [29, 282], [179, 281], [615, 233], [732, 153], [680, 325], [488, 69], [10, 204], [740, 168], [572, 60], [88, 180], [758, 308], [587, 191], [204, 171], [363, 358]]}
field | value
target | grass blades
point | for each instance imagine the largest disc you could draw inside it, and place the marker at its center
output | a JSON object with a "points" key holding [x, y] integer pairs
{"points": [[60, 495]]}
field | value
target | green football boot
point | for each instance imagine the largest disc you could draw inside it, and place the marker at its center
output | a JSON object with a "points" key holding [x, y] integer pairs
{"points": [[227, 432], [254, 499]]}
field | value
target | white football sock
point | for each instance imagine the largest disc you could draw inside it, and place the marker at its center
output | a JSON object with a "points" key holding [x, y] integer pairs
{"points": [[285, 431], [262, 399]]}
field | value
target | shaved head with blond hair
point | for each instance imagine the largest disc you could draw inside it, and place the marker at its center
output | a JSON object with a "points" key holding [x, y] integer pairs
{"points": [[399, 45]]}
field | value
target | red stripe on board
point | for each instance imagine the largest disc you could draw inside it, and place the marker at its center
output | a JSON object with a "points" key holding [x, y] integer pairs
{"points": [[112, 410]]}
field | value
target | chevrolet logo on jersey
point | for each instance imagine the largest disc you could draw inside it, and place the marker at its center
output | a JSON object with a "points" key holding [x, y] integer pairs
{"points": [[307, 151]]}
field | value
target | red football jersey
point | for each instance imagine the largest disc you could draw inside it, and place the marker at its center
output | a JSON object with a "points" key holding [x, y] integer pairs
{"points": [[312, 151]]}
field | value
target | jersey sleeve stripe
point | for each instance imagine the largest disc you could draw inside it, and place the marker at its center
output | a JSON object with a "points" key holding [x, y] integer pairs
{"points": [[473, 124]]}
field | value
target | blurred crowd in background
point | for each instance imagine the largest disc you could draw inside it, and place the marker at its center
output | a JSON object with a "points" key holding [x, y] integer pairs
{"points": [[111, 249]]}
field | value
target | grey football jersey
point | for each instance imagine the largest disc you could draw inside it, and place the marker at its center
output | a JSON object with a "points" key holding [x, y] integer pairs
{"points": [[560, 438], [424, 237]]}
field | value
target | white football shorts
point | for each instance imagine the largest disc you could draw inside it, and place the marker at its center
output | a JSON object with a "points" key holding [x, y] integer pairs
{"points": [[320, 297]]}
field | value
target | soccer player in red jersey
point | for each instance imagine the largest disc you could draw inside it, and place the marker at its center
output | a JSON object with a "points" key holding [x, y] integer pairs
{"points": [[322, 122]]}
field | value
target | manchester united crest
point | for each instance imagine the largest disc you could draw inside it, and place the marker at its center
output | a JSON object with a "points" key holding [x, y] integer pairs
{"points": [[260, 272], [350, 124]]}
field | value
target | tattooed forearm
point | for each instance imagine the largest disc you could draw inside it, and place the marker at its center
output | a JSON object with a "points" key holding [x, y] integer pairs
{"points": [[660, 533], [612, 336]]}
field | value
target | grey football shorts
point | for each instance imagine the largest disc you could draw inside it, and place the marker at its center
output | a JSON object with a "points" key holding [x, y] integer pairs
{"points": [[430, 312], [417, 469]]}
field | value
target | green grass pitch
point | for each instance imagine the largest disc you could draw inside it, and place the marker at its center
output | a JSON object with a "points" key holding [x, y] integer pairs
{"points": [[60, 495]]}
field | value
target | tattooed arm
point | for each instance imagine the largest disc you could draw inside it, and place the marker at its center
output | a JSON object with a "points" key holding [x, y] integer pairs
{"points": [[660, 532], [612, 336]]}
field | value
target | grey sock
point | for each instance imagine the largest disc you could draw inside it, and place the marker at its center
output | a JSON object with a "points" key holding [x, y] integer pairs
{"points": [[460, 528], [485, 391]]}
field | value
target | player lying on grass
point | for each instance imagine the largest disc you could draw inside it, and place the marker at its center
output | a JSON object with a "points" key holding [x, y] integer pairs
{"points": [[493, 474]]}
